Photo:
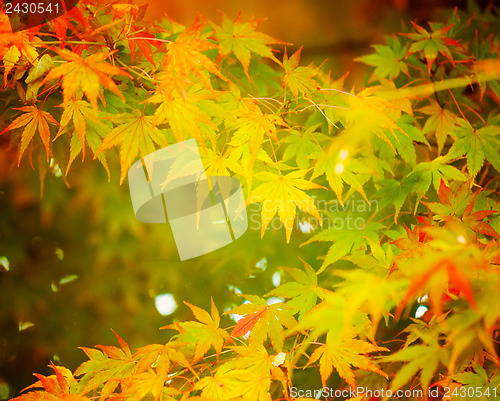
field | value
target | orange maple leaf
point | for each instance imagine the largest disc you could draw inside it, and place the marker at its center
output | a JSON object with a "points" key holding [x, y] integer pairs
{"points": [[184, 56], [56, 387], [87, 74], [32, 120], [433, 277]]}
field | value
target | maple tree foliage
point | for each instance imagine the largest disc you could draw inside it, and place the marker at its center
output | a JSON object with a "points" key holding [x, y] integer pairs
{"points": [[101, 81]]}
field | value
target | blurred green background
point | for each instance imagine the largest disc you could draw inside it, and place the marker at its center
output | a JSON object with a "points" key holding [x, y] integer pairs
{"points": [[75, 262]]}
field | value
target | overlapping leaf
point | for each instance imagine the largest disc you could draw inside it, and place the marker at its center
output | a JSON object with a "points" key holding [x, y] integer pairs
{"points": [[206, 332], [242, 39], [87, 74], [134, 134], [281, 194], [343, 354], [263, 321]]}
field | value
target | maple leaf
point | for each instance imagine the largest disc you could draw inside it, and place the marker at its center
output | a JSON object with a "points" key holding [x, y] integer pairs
{"points": [[206, 332], [241, 39], [473, 220], [436, 278], [34, 119], [303, 291], [184, 115], [338, 168], [78, 112], [160, 357], [105, 363], [458, 206], [342, 354], [282, 193], [434, 171], [227, 383], [300, 145], [56, 387], [425, 358], [140, 385], [262, 321], [395, 192], [87, 74], [262, 368], [184, 55], [95, 131], [252, 126], [441, 122], [371, 113], [220, 163], [431, 43], [477, 144], [451, 203], [298, 79], [344, 240], [15, 47], [134, 133], [376, 291], [387, 60], [143, 40]]}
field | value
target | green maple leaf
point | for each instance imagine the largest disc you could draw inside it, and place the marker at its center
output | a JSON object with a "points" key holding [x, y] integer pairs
{"points": [[403, 140], [134, 134], [435, 171], [298, 79], [425, 358], [387, 60], [338, 168], [303, 291], [241, 39], [300, 145], [395, 191], [477, 144], [478, 378], [345, 241]]}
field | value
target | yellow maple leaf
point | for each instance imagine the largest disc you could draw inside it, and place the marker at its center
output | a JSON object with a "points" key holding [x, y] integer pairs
{"points": [[206, 332], [282, 193], [87, 74], [184, 115], [135, 133], [341, 354], [252, 126]]}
